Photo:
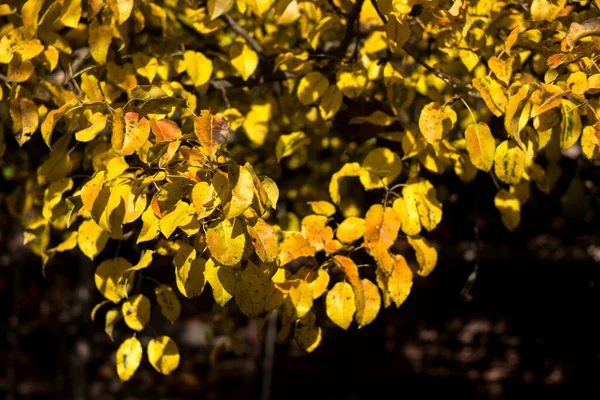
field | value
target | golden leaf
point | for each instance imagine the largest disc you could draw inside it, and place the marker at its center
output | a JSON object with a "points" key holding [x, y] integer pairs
{"points": [[509, 162], [169, 304], [510, 209], [480, 145], [163, 354], [129, 356], [379, 168], [381, 226], [262, 237], [111, 281], [426, 254], [340, 306], [226, 241], [136, 312], [294, 247]]}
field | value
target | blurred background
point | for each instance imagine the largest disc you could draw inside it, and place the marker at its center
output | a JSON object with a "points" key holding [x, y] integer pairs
{"points": [[503, 317]]}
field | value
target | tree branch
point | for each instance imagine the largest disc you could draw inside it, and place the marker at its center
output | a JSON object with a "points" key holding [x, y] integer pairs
{"points": [[349, 34], [243, 33], [453, 82]]}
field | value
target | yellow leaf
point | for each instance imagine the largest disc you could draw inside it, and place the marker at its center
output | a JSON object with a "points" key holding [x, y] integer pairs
{"points": [[322, 208], [17, 41], [509, 162], [145, 66], [422, 194], [272, 191], [205, 199], [399, 281], [222, 281], [510, 209], [6, 9], [174, 218], [351, 229], [145, 261], [340, 305], [351, 271], [570, 125], [469, 58], [352, 81], [163, 354], [409, 215], [381, 226], [99, 40], [397, 33], [590, 143], [115, 167], [216, 8], [289, 144], [511, 40], [501, 68], [19, 70], [133, 207], [294, 247], [71, 13], [129, 133], [53, 196], [98, 123], [242, 192], [378, 118], [226, 241], [379, 168], [211, 130], [250, 291], [426, 254], [121, 9], [262, 237], [480, 145], [372, 303], [493, 94], [307, 335], [347, 170], [91, 87], [150, 226], [243, 59], [129, 356], [316, 231], [330, 102], [317, 280], [91, 238], [259, 7], [198, 67], [113, 316], [320, 28], [190, 274], [434, 121], [136, 312], [111, 281], [311, 87], [168, 302], [578, 83], [51, 120], [25, 117], [546, 10], [256, 123], [517, 113]]}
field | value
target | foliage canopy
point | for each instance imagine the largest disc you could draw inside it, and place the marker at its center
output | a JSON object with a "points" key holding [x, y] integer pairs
{"points": [[196, 130]]}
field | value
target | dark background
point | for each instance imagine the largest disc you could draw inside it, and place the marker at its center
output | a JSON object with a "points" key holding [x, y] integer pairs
{"points": [[508, 316]]}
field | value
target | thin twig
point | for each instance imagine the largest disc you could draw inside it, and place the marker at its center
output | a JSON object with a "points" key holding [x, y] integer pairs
{"points": [[243, 33], [449, 80]]}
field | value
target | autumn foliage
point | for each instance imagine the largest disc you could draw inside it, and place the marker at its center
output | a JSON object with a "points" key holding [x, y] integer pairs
{"points": [[261, 145]]}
